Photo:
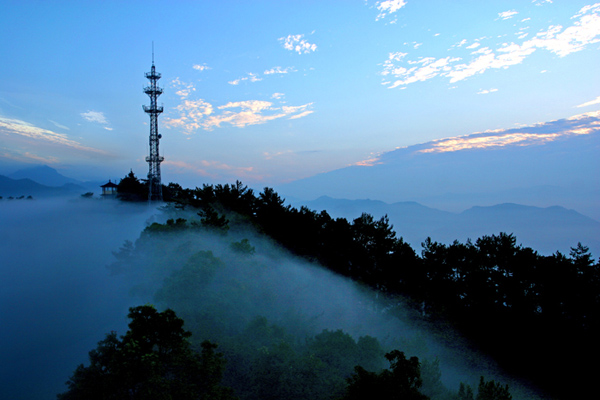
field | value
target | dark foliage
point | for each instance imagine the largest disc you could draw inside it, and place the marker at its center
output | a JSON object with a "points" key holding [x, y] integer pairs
{"points": [[512, 302], [401, 381], [153, 360], [131, 188]]}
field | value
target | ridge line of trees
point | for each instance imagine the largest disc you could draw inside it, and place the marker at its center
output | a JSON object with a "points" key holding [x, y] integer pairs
{"points": [[512, 302]]}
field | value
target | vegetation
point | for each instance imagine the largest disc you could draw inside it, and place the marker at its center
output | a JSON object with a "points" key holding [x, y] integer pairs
{"points": [[153, 360], [130, 188], [507, 299]]}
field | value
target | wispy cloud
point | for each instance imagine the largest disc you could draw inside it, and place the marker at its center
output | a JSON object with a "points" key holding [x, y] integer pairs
{"points": [[486, 91], [251, 78], [538, 134], [199, 114], [60, 125], [590, 103], [201, 67], [97, 117], [388, 7], [541, 2], [26, 157], [562, 42], [507, 14], [582, 124], [279, 70], [298, 44], [182, 89], [20, 128]]}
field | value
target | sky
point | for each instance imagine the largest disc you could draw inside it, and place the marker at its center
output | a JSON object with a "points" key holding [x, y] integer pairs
{"points": [[268, 92]]}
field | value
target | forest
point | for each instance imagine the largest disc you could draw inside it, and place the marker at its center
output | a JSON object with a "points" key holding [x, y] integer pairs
{"points": [[535, 316]]}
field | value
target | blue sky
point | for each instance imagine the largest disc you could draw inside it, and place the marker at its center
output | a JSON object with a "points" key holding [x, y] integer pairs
{"points": [[273, 91]]}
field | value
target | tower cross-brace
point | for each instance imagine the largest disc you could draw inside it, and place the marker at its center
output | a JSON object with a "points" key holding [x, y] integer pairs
{"points": [[154, 159]]}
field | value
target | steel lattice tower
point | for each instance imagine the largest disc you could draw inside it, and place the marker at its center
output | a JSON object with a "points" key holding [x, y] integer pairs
{"points": [[154, 159]]}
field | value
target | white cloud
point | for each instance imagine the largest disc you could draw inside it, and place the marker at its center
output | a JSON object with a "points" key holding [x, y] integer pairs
{"points": [[541, 2], [199, 114], [298, 44], [60, 125], [182, 89], [202, 67], [388, 7], [251, 77], [582, 124], [584, 31], [486, 91], [427, 69], [95, 116], [507, 14], [590, 103], [279, 70], [24, 129]]}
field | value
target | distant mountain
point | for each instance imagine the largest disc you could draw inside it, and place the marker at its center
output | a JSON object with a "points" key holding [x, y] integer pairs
{"points": [[44, 175], [546, 230], [544, 165], [26, 187]]}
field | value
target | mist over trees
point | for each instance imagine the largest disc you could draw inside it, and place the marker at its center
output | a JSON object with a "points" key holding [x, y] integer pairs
{"points": [[211, 263]]}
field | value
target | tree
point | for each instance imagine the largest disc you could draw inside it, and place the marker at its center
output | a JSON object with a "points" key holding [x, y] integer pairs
{"points": [[465, 392], [131, 188], [492, 391], [401, 382], [153, 360]]}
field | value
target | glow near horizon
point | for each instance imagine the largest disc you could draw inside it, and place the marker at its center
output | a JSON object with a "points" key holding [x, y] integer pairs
{"points": [[303, 94]]}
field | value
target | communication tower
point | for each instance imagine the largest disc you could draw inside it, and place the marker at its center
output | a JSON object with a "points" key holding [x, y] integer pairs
{"points": [[153, 110]]}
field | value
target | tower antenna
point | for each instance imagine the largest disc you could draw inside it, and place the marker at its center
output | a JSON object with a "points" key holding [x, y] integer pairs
{"points": [[153, 110]]}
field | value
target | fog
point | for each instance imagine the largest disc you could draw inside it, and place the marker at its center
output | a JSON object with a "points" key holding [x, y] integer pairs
{"points": [[58, 299]]}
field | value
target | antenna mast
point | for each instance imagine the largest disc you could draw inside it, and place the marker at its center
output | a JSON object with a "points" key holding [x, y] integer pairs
{"points": [[153, 110]]}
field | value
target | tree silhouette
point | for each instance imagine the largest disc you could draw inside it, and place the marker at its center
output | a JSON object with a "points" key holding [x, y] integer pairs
{"points": [[153, 360]]}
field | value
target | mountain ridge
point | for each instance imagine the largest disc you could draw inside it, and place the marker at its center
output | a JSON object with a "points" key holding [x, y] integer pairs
{"points": [[545, 229]]}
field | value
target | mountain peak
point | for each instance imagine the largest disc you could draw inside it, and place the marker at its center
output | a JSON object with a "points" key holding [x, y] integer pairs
{"points": [[44, 175]]}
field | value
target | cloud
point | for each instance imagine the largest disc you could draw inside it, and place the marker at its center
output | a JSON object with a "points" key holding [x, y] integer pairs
{"points": [[541, 2], [302, 114], [590, 103], [251, 77], [202, 67], [23, 129], [277, 96], [199, 114], [279, 70], [427, 68], [59, 125], [582, 124], [507, 14], [388, 7], [298, 44], [486, 91], [538, 134], [182, 89], [26, 157], [95, 116], [562, 42]]}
